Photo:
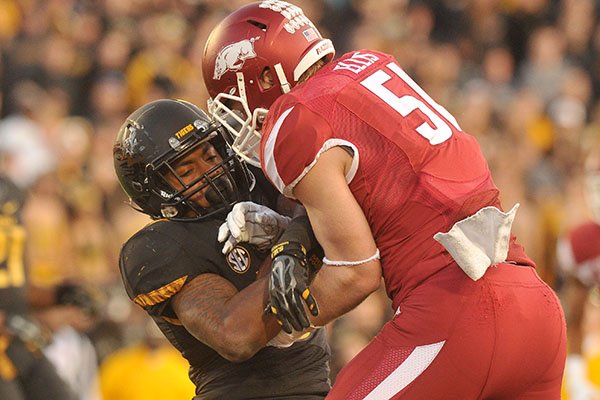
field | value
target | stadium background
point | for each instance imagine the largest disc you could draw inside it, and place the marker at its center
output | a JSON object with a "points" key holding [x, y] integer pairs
{"points": [[523, 76]]}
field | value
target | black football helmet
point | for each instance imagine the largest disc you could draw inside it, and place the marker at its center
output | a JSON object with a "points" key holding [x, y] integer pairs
{"points": [[12, 198], [153, 139]]}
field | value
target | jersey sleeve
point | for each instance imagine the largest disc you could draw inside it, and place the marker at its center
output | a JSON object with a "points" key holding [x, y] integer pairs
{"points": [[292, 143], [154, 267]]}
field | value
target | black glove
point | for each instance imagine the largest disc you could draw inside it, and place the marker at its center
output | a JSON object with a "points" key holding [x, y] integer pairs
{"points": [[288, 287], [79, 296]]}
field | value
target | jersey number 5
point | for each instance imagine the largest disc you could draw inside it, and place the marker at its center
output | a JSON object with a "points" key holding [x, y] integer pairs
{"points": [[404, 105]]}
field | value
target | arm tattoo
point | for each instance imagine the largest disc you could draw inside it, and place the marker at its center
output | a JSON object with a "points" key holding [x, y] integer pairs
{"points": [[199, 304]]}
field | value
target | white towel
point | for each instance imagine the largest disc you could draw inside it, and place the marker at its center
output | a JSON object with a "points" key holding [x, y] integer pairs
{"points": [[479, 241]]}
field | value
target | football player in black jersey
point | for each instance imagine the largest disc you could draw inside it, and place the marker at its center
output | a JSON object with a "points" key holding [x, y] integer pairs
{"points": [[176, 166], [25, 373]]}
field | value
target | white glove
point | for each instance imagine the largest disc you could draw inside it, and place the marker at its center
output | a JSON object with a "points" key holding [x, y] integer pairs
{"points": [[576, 380], [284, 340], [252, 223]]}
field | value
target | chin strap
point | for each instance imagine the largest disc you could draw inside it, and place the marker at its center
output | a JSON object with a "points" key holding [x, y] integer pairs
{"points": [[241, 86], [285, 86]]}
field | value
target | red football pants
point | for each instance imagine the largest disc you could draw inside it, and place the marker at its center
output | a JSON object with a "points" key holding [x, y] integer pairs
{"points": [[501, 337]]}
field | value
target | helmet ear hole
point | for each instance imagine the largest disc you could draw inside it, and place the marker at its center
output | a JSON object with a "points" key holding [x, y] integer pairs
{"points": [[137, 186], [169, 211], [266, 81], [259, 25]]}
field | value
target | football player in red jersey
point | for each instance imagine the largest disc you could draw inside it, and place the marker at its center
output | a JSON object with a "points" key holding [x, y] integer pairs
{"points": [[175, 165], [393, 188], [579, 261]]}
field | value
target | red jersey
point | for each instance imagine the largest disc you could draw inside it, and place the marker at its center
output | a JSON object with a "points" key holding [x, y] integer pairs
{"points": [[579, 253], [415, 172]]}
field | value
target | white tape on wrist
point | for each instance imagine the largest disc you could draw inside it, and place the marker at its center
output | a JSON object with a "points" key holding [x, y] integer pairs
{"points": [[336, 263]]}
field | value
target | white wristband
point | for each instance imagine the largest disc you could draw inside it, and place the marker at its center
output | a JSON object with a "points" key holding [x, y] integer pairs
{"points": [[336, 263]]}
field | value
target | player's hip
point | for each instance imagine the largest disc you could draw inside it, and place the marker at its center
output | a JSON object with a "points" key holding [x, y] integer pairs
{"points": [[468, 337], [506, 295]]}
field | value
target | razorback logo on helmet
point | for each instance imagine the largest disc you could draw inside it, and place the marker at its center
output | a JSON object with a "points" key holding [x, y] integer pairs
{"points": [[233, 56], [293, 13], [238, 259]]}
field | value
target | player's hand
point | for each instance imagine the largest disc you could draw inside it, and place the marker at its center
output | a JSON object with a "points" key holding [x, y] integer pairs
{"points": [[252, 223], [288, 287]]}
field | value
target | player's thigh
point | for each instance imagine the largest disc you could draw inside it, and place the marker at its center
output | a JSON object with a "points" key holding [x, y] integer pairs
{"points": [[387, 370], [455, 338], [431, 350], [439, 346]]}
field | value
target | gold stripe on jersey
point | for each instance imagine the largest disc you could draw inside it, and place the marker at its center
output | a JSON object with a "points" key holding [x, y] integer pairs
{"points": [[161, 294]]}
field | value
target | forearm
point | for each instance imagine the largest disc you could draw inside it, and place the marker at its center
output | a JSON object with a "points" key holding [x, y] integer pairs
{"points": [[299, 230], [343, 231], [356, 283], [232, 323], [244, 318]]}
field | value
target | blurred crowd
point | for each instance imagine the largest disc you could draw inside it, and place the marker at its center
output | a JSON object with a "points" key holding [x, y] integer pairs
{"points": [[523, 76]]}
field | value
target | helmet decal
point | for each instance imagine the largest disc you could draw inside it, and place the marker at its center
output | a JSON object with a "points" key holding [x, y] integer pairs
{"points": [[176, 140], [130, 141], [310, 34], [294, 14], [233, 56]]}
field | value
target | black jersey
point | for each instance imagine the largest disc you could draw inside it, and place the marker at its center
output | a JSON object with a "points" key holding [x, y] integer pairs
{"points": [[161, 258]]}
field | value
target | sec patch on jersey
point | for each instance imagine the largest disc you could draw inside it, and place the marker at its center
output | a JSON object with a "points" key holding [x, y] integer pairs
{"points": [[238, 260]]}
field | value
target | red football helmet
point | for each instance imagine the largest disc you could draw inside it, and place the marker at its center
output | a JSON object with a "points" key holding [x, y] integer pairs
{"points": [[269, 34], [592, 183]]}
